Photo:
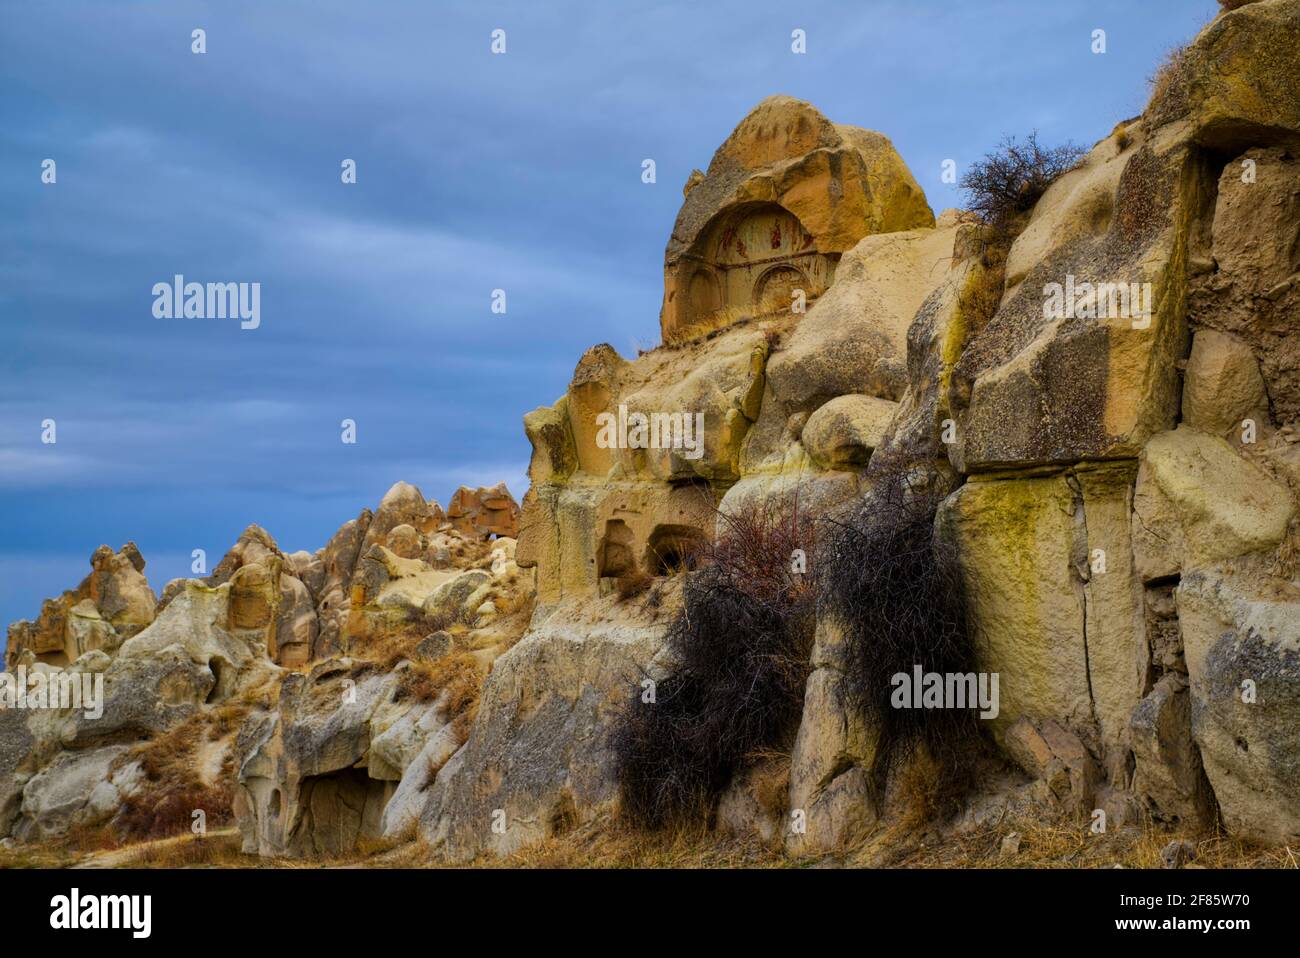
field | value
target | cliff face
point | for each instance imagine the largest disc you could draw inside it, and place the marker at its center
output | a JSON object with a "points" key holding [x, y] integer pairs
{"points": [[1112, 444], [1119, 486]]}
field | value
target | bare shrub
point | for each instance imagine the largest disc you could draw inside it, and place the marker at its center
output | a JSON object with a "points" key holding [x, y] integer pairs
{"points": [[896, 591], [739, 649], [1006, 184]]}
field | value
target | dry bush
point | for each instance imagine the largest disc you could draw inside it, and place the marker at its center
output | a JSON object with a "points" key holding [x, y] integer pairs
{"points": [[460, 675], [1004, 186], [738, 648], [172, 788], [896, 591]]}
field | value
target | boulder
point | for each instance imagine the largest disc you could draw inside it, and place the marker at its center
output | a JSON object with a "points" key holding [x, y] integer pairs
{"points": [[1222, 386], [1095, 378], [538, 759], [1197, 501], [453, 597], [57, 798], [1241, 637], [838, 347], [1238, 82], [843, 433], [1167, 765]]}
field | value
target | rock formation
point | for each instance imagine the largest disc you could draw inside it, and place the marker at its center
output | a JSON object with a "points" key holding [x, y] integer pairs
{"points": [[1118, 482], [220, 670], [483, 512], [1120, 489]]}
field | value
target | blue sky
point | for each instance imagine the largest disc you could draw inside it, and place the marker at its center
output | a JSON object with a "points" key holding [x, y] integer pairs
{"points": [[475, 172]]}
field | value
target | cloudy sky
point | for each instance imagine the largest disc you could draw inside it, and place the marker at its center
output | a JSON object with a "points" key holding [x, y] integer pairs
{"points": [[474, 172]]}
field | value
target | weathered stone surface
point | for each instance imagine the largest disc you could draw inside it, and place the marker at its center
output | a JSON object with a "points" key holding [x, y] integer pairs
{"points": [[452, 597], [304, 783], [402, 813], [188, 658], [577, 533], [1197, 501], [339, 557], [827, 778], [1167, 772], [1239, 81], [56, 797], [1222, 386], [1052, 600], [1240, 626], [17, 764], [837, 348], [1057, 759], [1253, 291], [538, 749], [554, 455], [1034, 387]]}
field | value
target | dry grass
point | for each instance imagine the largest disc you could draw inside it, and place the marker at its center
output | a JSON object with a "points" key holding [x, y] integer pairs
{"points": [[981, 296], [1167, 79], [1057, 841], [174, 786], [1045, 842], [214, 850], [633, 584], [459, 674], [595, 845]]}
